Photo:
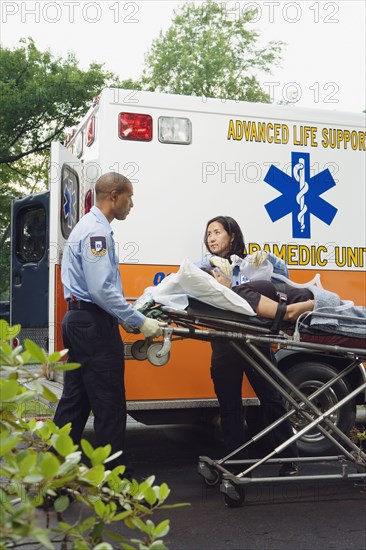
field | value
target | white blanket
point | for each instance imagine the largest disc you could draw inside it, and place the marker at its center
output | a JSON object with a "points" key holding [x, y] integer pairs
{"points": [[191, 281]]}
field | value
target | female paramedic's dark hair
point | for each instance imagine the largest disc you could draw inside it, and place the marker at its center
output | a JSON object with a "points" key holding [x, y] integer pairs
{"points": [[232, 228]]}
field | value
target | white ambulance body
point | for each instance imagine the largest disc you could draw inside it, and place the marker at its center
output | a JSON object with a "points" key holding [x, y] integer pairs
{"points": [[293, 178]]}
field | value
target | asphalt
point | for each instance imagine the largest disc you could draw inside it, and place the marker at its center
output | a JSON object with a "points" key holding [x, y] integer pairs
{"points": [[309, 515]]}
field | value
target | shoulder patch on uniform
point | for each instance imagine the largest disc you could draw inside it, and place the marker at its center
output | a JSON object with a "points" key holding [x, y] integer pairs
{"points": [[98, 245]]}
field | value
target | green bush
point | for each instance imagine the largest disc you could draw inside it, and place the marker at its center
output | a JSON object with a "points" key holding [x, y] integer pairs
{"points": [[39, 462]]}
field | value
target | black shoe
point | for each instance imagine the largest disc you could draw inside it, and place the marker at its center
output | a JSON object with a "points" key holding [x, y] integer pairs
{"points": [[289, 469]]}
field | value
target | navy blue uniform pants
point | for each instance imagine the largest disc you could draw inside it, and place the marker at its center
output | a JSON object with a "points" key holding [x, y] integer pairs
{"points": [[227, 370], [93, 340]]}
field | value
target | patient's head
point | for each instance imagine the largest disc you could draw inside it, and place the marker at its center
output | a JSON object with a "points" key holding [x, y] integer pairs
{"points": [[219, 276]]}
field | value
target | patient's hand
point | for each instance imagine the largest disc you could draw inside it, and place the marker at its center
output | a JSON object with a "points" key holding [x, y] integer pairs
{"points": [[223, 264], [259, 257], [221, 278]]}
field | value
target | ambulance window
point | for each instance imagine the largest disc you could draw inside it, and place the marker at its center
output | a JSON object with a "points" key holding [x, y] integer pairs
{"points": [[31, 234], [69, 211]]}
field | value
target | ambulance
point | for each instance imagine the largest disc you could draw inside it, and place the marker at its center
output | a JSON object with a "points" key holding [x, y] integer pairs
{"points": [[190, 159]]}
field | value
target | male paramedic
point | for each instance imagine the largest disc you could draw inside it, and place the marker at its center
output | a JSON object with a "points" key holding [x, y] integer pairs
{"points": [[96, 305]]}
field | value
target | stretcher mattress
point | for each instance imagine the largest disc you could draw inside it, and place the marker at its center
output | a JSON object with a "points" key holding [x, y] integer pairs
{"points": [[226, 320]]}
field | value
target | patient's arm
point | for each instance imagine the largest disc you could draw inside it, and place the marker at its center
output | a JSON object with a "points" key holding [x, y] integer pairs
{"points": [[268, 308]]}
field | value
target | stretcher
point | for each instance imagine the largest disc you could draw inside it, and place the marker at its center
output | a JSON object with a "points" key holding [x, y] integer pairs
{"points": [[247, 335]]}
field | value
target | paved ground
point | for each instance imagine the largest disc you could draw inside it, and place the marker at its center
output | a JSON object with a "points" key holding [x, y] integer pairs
{"points": [[285, 516]]}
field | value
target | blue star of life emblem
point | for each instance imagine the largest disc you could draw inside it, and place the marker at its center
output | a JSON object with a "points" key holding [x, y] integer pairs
{"points": [[69, 207], [300, 195]]}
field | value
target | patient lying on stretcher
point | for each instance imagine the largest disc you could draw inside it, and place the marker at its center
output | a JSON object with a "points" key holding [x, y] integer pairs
{"points": [[259, 297], [263, 296]]}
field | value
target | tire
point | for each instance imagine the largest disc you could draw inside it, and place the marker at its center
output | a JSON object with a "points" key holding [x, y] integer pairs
{"points": [[308, 376]]}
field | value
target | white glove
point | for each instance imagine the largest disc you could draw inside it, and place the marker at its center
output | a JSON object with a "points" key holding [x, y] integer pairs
{"points": [[259, 257], [222, 264], [152, 328]]}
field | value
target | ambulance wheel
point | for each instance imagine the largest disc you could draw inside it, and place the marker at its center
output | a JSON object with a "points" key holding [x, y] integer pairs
{"points": [[308, 377], [139, 350], [154, 359], [236, 499]]}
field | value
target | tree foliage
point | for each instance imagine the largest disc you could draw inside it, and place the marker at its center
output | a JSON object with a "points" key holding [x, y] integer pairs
{"points": [[39, 461], [40, 97], [208, 52]]}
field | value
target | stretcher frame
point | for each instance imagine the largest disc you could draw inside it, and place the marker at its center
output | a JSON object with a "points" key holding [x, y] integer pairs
{"points": [[247, 338]]}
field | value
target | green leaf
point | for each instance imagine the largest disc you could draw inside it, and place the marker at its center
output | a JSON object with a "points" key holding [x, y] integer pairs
{"points": [[48, 394], [63, 444], [27, 462], [61, 503], [57, 355], [112, 457], [140, 525], [36, 352], [44, 432], [32, 424], [33, 479], [100, 454], [164, 492], [95, 475], [66, 366], [8, 444], [150, 496], [162, 529], [9, 389], [122, 515], [49, 465], [99, 508], [7, 349], [87, 448], [7, 332]]}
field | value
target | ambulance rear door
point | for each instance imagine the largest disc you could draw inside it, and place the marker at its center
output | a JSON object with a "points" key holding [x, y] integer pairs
{"points": [[66, 207]]}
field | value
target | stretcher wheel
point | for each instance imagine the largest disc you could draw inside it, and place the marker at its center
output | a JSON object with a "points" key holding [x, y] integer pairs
{"points": [[236, 497], [139, 350], [210, 475], [154, 359], [213, 480]]}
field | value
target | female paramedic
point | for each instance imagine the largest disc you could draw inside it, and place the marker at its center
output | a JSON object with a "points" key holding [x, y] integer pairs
{"points": [[223, 238]]}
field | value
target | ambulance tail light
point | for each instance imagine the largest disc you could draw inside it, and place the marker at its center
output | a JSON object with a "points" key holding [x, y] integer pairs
{"points": [[89, 201], [175, 130], [135, 126], [90, 131]]}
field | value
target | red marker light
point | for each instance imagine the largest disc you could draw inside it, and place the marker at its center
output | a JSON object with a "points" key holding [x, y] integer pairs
{"points": [[88, 202], [135, 126], [90, 131]]}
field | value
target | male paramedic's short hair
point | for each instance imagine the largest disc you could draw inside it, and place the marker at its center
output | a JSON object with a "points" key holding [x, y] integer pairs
{"points": [[110, 182]]}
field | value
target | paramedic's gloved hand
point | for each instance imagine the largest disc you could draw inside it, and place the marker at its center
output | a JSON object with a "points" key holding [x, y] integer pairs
{"points": [[152, 328], [222, 264], [259, 257]]}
